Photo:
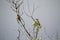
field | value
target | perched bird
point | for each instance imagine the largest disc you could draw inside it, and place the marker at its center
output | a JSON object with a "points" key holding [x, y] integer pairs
{"points": [[18, 17], [20, 20], [36, 23]]}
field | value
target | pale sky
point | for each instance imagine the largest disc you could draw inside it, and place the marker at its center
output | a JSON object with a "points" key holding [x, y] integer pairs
{"points": [[48, 13]]}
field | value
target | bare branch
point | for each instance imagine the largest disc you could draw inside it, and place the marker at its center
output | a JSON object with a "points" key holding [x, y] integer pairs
{"points": [[19, 4], [13, 9], [25, 12], [32, 18], [26, 30], [31, 15], [21, 21], [28, 33], [18, 38], [11, 1], [18, 1], [36, 34], [34, 9]]}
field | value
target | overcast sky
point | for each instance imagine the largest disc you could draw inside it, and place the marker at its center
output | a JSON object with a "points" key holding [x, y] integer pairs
{"points": [[48, 13]]}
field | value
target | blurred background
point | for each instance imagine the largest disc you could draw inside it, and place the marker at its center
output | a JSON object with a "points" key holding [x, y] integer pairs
{"points": [[48, 13]]}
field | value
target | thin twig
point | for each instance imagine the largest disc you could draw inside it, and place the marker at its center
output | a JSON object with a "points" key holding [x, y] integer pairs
{"points": [[34, 9], [18, 1], [36, 34], [20, 4], [26, 30], [13, 9], [31, 15], [25, 12], [18, 35]]}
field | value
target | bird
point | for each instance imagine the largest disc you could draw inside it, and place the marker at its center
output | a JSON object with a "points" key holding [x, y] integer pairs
{"points": [[36, 23], [18, 18]]}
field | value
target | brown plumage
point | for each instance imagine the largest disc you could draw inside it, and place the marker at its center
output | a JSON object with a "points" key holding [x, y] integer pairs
{"points": [[18, 18]]}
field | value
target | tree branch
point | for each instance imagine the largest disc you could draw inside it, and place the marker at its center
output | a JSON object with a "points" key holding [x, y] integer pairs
{"points": [[31, 15], [19, 18], [34, 9], [18, 38]]}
